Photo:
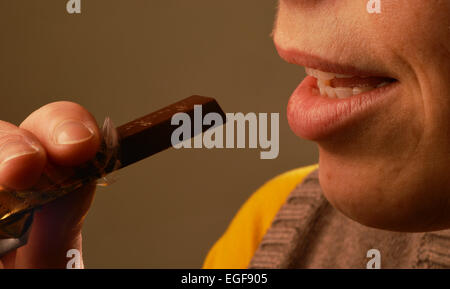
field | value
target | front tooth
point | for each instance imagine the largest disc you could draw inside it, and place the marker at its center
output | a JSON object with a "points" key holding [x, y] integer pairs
{"points": [[330, 91], [358, 90], [312, 72], [343, 92], [324, 75], [309, 71], [321, 86]]}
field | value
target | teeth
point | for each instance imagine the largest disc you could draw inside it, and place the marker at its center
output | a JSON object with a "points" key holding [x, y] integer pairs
{"points": [[331, 92], [358, 90], [319, 74], [325, 89], [343, 92], [340, 92], [321, 86], [325, 75]]}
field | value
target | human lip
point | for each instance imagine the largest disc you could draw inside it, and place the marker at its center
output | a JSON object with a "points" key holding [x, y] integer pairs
{"points": [[323, 64], [316, 113]]}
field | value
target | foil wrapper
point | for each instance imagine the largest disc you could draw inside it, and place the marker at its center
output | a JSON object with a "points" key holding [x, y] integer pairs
{"points": [[17, 207]]}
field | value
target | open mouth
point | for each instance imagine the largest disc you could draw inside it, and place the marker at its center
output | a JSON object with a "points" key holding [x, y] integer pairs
{"points": [[335, 85], [336, 96]]}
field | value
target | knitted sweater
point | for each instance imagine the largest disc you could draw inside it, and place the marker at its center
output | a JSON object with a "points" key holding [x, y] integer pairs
{"points": [[308, 232]]}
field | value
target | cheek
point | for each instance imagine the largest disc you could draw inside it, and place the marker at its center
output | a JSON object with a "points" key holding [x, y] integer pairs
{"points": [[412, 29]]}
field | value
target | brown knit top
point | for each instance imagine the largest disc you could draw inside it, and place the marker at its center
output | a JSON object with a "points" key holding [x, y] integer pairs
{"points": [[308, 232]]}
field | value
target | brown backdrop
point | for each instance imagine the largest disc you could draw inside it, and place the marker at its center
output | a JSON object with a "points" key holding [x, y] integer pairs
{"points": [[126, 58]]}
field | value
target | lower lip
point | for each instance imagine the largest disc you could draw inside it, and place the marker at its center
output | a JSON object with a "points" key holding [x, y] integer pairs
{"points": [[315, 117]]}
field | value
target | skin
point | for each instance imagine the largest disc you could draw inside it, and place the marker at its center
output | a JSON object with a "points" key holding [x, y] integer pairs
{"points": [[389, 170], [57, 226]]}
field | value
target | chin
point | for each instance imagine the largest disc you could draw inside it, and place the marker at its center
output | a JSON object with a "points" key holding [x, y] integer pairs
{"points": [[382, 195]]}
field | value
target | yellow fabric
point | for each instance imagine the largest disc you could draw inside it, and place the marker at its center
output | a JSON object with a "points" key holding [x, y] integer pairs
{"points": [[238, 244]]}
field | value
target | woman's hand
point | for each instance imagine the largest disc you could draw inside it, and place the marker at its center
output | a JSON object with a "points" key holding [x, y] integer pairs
{"points": [[65, 134]]}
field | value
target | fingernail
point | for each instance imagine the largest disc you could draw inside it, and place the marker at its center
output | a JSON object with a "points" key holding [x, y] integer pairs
{"points": [[14, 148], [72, 132]]}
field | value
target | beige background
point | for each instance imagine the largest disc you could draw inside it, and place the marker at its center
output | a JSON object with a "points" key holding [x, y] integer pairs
{"points": [[127, 58]]}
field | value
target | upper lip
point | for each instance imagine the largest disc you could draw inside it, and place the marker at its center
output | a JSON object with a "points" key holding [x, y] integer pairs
{"points": [[316, 62]]}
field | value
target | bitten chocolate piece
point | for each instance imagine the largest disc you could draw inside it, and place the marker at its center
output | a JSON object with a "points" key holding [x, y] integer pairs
{"points": [[152, 133]]}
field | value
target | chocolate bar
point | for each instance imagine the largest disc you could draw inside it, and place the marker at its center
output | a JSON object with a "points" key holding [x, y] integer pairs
{"points": [[151, 134]]}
